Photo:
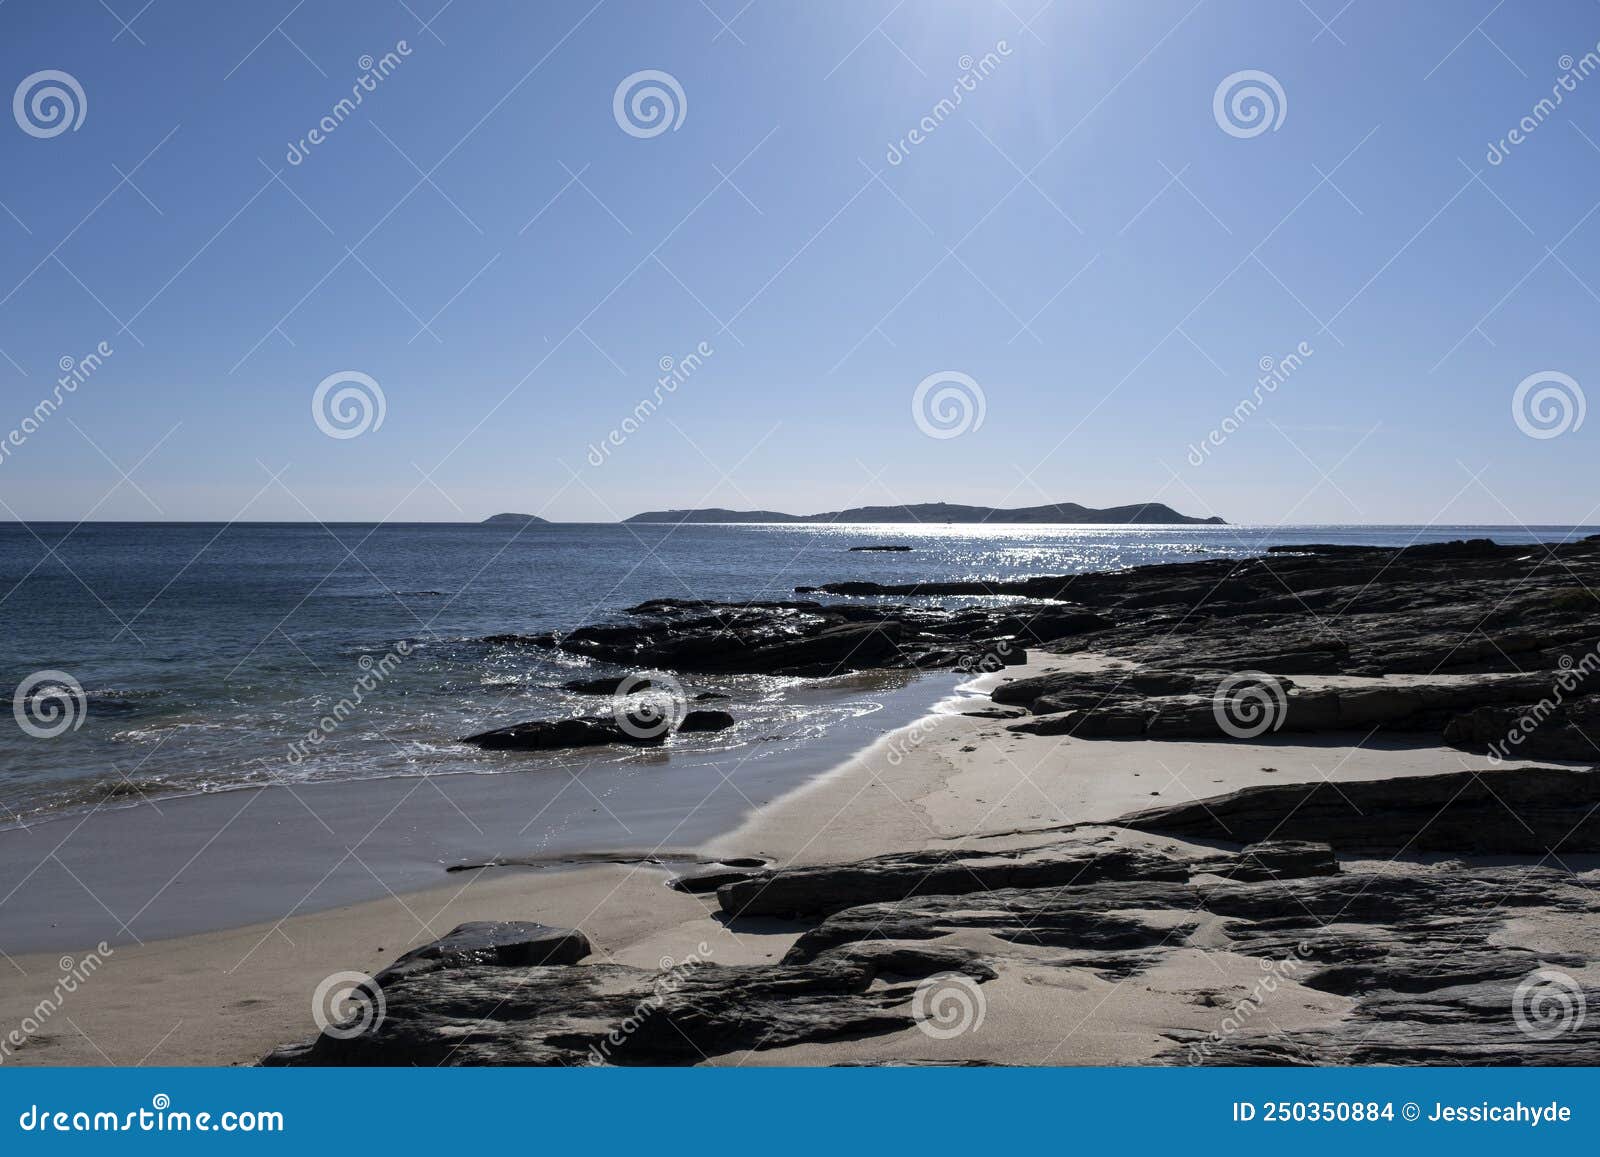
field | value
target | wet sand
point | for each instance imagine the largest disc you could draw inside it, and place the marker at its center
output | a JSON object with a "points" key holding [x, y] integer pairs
{"points": [[124, 873]]}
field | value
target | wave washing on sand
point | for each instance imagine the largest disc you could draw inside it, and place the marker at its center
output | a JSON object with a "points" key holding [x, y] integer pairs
{"points": [[163, 750]]}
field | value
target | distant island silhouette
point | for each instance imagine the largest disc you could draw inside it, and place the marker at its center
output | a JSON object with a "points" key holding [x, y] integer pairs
{"points": [[1144, 512]]}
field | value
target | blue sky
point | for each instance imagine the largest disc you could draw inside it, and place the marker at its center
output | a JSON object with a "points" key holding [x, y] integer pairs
{"points": [[1079, 237]]}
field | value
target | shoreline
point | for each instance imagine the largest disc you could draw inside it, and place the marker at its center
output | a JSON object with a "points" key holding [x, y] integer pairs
{"points": [[1133, 826], [230, 996], [211, 861]]}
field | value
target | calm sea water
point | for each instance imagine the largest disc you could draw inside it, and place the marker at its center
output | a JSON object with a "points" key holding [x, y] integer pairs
{"points": [[205, 650]]}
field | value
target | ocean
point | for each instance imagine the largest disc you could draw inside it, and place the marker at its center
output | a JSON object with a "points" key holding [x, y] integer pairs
{"points": [[206, 651]]}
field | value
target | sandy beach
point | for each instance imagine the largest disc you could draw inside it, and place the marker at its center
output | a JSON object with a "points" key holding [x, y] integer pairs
{"points": [[948, 779]]}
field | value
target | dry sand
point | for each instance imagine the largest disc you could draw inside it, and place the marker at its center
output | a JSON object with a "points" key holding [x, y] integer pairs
{"points": [[228, 997]]}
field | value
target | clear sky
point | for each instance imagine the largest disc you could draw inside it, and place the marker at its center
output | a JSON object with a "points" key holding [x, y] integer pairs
{"points": [[1080, 236]]}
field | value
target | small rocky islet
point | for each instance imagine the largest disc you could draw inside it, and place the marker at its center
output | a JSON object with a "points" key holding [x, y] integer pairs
{"points": [[1392, 894]]}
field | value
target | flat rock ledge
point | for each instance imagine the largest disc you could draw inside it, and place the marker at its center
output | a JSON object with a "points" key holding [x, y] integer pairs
{"points": [[1546, 811], [1486, 647], [1477, 712]]}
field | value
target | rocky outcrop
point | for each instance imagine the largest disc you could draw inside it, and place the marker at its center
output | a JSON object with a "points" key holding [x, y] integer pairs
{"points": [[705, 720], [561, 734], [641, 726], [813, 891], [1495, 636], [1467, 1024], [487, 1014], [1275, 860], [1464, 607], [1529, 810], [806, 638], [1419, 951], [498, 942], [1538, 729], [1480, 710]]}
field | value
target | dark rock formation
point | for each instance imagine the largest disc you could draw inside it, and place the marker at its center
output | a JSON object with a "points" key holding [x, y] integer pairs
{"points": [[559, 734], [1419, 952], [1517, 810], [706, 721], [610, 1014], [1468, 1024], [1506, 639], [710, 880], [811, 891], [1526, 730], [1501, 647], [500, 942], [808, 638], [646, 726], [1275, 860], [1446, 608], [659, 858]]}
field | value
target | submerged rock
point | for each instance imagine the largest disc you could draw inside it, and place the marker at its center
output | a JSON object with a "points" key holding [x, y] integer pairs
{"points": [[608, 685], [560, 734], [641, 726], [706, 721]]}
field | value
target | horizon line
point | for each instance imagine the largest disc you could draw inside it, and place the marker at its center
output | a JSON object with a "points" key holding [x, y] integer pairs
{"points": [[664, 522]]}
